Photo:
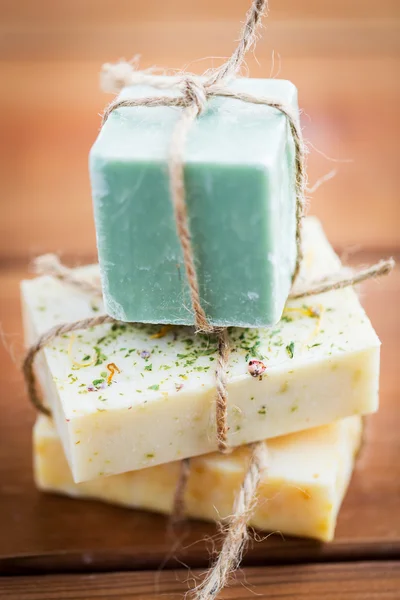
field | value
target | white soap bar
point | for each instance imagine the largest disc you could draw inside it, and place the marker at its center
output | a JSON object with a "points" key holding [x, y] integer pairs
{"points": [[308, 473], [161, 406]]}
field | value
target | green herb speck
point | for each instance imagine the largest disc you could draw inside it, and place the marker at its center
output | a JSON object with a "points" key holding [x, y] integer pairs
{"points": [[100, 357], [287, 319], [290, 349]]}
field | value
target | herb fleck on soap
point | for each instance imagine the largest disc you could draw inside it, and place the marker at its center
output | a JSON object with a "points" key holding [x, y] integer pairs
{"points": [[290, 349]]}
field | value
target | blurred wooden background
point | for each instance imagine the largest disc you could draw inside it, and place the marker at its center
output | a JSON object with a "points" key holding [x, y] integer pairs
{"points": [[342, 55]]}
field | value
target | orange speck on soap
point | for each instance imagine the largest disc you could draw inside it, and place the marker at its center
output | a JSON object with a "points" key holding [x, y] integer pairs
{"points": [[162, 333], [112, 369]]}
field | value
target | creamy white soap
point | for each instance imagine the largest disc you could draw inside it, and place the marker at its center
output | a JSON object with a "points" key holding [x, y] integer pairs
{"points": [[308, 473], [322, 365]]}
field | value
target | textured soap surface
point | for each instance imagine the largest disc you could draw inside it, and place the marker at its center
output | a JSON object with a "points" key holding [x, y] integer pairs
{"points": [[161, 406], [239, 182], [308, 473]]}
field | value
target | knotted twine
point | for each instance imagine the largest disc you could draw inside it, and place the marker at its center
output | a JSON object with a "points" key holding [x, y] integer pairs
{"points": [[193, 98], [236, 533]]}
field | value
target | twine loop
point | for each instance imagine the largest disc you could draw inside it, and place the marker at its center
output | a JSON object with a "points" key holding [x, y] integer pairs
{"points": [[195, 93]]}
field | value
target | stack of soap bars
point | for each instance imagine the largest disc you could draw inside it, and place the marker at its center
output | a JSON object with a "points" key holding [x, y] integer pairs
{"points": [[132, 398]]}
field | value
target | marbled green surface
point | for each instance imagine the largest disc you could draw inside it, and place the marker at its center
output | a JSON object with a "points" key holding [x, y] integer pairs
{"points": [[239, 179]]}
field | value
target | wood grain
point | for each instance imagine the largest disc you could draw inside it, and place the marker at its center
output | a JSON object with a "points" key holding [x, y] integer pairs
{"points": [[361, 581], [191, 30], [45, 533], [46, 12]]}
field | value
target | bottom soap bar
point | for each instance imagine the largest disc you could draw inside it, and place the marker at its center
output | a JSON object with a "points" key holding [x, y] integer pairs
{"points": [[306, 479]]}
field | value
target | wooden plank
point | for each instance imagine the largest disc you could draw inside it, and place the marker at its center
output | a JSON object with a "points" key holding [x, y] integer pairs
{"points": [[45, 533], [47, 12], [352, 581], [90, 29], [191, 39]]}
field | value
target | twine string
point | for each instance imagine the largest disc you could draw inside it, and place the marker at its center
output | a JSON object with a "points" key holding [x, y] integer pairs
{"points": [[197, 95], [42, 342], [236, 535], [340, 281], [222, 394], [178, 502], [193, 100], [50, 264], [247, 40], [176, 172]]}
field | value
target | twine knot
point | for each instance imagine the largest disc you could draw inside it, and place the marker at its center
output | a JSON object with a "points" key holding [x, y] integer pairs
{"points": [[194, 92], [193, 97]]}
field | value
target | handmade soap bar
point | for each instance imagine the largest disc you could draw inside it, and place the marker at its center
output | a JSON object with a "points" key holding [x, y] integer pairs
{"points": [[322, 365], [239, 182], [308, 473]]}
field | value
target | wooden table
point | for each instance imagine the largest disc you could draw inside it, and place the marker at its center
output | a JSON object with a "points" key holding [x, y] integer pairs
{"points": [[344, 57], [44, 534]]}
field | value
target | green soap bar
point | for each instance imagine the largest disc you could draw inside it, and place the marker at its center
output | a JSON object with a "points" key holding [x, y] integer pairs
{"points": [[240, 195]]}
